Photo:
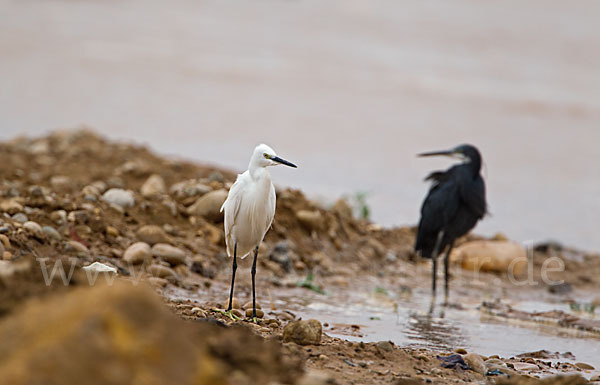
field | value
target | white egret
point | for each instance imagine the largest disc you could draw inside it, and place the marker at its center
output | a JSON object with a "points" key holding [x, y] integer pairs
{"points": [[249, 211]]}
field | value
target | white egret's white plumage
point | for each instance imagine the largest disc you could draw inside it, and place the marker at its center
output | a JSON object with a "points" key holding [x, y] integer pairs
{"points": [[250, 206]]}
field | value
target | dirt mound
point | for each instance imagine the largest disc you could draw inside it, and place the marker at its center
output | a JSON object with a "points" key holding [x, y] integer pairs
{"points": [[125, 335]]}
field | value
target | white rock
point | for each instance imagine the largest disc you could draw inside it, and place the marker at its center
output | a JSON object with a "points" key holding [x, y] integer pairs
{"points": [[154, 185], [100, 268], [33, 227], [171, 254], [119, 197]]}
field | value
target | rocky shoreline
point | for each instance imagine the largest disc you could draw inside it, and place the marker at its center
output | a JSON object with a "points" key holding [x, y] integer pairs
{"points": [[73, 199]]}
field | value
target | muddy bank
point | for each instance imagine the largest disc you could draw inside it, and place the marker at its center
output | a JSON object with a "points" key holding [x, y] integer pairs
{"points": [[72, 198]]}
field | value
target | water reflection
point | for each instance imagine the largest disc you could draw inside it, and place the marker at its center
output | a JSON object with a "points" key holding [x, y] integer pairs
{"points": [[426, 330]]}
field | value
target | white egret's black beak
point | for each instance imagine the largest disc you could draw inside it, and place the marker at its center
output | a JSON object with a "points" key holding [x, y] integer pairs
{"points": [[283, 161], [438, 153]]}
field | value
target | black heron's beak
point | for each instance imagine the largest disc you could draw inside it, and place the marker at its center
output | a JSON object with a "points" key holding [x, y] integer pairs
{"points": [[438, 153], [283, 161]]}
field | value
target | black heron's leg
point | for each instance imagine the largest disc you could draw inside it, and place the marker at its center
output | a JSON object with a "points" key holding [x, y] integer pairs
{"points": [[232, 277], [253, 283], [446, 274], [434, 256]]}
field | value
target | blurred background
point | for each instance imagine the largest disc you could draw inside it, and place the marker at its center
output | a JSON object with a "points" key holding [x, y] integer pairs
{"points": [[349, 90]]}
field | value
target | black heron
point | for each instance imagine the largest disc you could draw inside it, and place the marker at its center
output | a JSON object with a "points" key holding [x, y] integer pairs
{"points": [[454, 204]]}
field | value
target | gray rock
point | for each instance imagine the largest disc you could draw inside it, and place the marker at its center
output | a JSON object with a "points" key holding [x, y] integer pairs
{"points": [[119, 197], [189, 188], [209, 205], [137, 253], [20, 217], [171, 254], [475, 362], [79, 247], [11, 206], [312, 220], [386, 346], [51, 233], [34, 228], [161, 271], [303, 332]]}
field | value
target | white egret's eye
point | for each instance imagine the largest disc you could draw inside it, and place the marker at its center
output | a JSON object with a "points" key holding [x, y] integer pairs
{"points": [[267, 156]]}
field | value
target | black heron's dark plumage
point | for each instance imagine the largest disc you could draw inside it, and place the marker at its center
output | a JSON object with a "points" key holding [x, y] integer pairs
{"points": [[454, 204]]}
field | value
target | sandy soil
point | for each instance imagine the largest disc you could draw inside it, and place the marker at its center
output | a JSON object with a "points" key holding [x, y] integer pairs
{"points": [[59, 183]]}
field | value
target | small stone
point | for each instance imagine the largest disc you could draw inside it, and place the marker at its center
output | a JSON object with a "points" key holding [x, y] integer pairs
{"points": [[161, 271], [5, 241], [119, 197], [7, 256], [595, 379], [60, 182], [209, 205], [112, 231], [237, 312], [152, 234], [259, 313], [52, 233], [10, 206], [137, 253], [584, 366], [303, 332], [154, 185], [59, 217], [524, 366], [78, 217], [20, 217], [171, 254], [475, 362], [189, 188], [79, 247], [248, 305], [158, 282], [2, 249], [312, 220], [386, 346], [235, 303], [460, 351], [34, 228]]}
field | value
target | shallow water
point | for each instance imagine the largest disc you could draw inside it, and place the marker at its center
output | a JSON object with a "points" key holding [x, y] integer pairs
{"points": [[404, 318], [348, 90]]}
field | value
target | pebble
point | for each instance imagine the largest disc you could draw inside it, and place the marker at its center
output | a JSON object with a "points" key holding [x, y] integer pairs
{"points": [[460, 351], [248, 305], [524, 366], [237, 313], [303, 332], [35, 228], [79, 247], [5, 241], [59, 217], [20, 217], [235, 303], [209, 205], [154, 185], [161, 271], [189, 188], [2, 250], [475, 362], [7, 256], [584, 366], [60, 182], [595, 379], [152, 234], [112, 231], [386, 346], [137, 253], [119, 197], [52, 233], [171, 254], [259, 313], [10, 206], [312, 220]]}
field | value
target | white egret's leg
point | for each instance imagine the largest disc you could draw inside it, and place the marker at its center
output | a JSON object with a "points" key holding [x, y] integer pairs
{"points": [[232, 277], [446, 274], [254, 284]]}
